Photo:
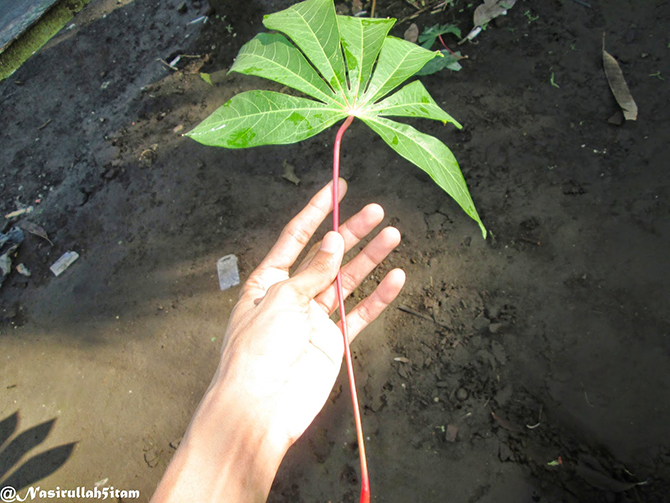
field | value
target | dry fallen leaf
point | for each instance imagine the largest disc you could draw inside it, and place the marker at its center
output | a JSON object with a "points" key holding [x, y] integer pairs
{"points": [[491, 9], [618, 85], [412, 33], [509, 426], [35, 229]]}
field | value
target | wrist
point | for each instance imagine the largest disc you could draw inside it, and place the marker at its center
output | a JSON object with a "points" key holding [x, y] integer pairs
{"points": [[225, 455]]}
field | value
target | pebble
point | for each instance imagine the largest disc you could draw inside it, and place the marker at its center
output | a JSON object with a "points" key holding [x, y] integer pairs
{"points": [[462, 394], [451, 433]]}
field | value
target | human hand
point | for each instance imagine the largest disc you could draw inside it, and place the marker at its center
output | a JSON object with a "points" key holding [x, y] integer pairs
{"points": [[282, 351], [281, 356]]}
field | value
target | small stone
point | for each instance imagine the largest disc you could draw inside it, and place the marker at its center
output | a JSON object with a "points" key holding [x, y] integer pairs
{"points": [[505, 453], [451, 433], [462, 394], [480, 323], [494, 328], [616, 119], [182, 8]]}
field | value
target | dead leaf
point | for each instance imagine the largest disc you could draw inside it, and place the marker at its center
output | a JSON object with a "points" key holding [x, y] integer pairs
{"points": [[412, 33], [289, 173], [506, 424], [618, 85], [490, 10], [35, 229], [356, 7]]}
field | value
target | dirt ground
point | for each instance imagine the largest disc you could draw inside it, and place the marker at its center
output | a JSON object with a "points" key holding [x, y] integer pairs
{"points": [[540, 369]]}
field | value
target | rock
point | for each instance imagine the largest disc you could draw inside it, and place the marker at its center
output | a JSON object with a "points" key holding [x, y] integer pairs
{"points": [[462, 394], [451, 433], [505, 453], [152, 457], [480, 323], [182, 8], [616, 119], [494, 328]]}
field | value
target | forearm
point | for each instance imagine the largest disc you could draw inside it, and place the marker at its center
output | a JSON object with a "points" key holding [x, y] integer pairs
{"points": [[224, 457]]}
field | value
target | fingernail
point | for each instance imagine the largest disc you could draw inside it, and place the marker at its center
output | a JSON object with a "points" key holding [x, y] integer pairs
{"points": [[331, 243]]}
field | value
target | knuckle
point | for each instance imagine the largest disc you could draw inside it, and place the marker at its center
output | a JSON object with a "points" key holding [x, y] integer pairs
{"points": [[349, 283], [298, 233], [366, 313]]}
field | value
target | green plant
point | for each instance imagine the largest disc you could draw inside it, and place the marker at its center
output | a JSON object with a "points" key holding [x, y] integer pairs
{"points": [[530, 17], [449, 59], [349, 66], [432, 33]]}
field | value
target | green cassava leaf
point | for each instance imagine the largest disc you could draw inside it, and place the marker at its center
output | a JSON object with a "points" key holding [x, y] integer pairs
{"points": [[348, 64], [398, 61], [449, 61], [429, 154], [312, 26], [429, 35], [362, 40], [255, 118], [412, 100], [271, 56]]}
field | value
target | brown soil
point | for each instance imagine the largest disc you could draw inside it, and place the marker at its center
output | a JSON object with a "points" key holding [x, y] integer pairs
{"points": [[559, 321]]}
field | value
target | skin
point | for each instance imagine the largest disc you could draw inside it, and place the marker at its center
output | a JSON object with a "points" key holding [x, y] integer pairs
{"points": [[281, 356]]}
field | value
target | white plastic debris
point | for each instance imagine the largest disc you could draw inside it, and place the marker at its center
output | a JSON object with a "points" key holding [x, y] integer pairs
{"points": [[229, 276], [64, 262], [23, 270]]}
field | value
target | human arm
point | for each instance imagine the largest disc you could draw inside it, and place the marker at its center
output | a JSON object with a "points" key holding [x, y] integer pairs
{"points": [[281, 356]]}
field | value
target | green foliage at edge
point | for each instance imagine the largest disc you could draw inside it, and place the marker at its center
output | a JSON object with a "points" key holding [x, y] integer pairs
{"points": [[331, 58]]}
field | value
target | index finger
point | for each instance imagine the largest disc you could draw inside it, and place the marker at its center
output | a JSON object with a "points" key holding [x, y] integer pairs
{"points": [[301, 228]]}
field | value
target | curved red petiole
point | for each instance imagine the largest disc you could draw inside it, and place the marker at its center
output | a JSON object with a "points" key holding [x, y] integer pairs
{"points": [[365, 480]]}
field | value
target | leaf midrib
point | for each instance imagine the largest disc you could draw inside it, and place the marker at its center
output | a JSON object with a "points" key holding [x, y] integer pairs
{"points": [[337, 79]]}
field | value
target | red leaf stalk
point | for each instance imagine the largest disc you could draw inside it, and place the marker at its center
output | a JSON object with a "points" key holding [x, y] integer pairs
{"points": [[365, 480]]}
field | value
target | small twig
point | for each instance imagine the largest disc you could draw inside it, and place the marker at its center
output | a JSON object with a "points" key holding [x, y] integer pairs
{"points": [[587, 396], [413, 4], [421, 315], [582, 2], [528, 240], [416, 14], [167, 64], [2, 100], [372, 11], [45, 124]]}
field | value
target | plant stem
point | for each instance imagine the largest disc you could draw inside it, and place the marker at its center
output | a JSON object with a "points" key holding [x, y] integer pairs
{"points": [[445, 45], [365, 480]]}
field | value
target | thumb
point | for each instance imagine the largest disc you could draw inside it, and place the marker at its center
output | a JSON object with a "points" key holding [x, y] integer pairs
{"points": [[322, 269]]}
